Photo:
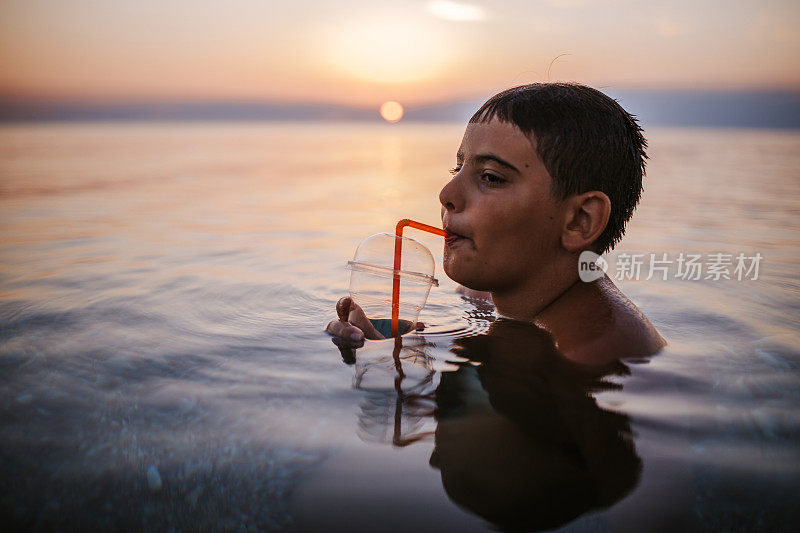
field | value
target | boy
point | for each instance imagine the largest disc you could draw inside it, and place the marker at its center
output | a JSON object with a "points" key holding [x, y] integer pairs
{"points": [[544, 172]]}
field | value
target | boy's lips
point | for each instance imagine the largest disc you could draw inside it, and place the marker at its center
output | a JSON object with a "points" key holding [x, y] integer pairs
{"points": [[453, 237]]}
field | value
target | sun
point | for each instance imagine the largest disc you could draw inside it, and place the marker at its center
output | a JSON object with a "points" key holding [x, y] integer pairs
{"points": [[391, 111]]}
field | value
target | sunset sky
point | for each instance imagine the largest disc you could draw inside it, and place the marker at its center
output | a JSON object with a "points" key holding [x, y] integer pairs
{"points": [[366, 52]]}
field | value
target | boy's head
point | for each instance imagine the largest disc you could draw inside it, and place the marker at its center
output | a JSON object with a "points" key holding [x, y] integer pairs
{"points": [[543, 172], [586, 140]]}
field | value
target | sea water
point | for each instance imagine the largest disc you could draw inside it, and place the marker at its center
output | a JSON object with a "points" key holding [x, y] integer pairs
{"points": [[164, 290]]}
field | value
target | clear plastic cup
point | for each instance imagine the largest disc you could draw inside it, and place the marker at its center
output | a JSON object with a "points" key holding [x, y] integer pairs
{"points": [[372, 276]]}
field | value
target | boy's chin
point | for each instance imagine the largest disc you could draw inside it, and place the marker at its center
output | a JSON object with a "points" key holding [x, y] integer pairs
{"points": [[467, 279]]}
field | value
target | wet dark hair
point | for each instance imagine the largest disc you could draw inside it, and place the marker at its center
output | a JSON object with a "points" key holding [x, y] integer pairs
{"points": [[586, 140]]}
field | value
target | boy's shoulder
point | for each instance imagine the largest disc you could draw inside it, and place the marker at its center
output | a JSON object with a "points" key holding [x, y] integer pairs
{"points": [[594, 323]]}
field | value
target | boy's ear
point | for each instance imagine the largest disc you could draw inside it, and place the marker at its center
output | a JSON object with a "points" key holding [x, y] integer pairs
{"points": [[586, 217]]}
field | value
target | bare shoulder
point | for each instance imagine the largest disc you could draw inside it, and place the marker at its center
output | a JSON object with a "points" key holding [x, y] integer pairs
{"points": [[594, 323]]}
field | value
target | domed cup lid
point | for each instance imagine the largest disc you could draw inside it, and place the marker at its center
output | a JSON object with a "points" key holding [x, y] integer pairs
{"points": [[375, 255]]}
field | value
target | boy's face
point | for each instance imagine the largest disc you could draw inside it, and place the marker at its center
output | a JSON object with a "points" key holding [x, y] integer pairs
{"points": [[506, 223]]}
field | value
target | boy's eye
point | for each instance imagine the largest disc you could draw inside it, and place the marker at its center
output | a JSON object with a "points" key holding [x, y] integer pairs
{"points": [[492, 179], [455, 170]]}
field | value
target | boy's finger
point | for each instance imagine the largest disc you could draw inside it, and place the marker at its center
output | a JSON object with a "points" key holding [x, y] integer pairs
{"points": [[347, 332], [331, 327], [358, 318], [343, 307], [336, 327]]}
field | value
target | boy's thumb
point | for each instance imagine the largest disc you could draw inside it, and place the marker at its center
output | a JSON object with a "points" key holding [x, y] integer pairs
{"points": [[343, 308]]}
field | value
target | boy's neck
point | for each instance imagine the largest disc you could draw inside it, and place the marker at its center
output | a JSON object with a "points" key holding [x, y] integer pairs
{"points": [[526, 303]]}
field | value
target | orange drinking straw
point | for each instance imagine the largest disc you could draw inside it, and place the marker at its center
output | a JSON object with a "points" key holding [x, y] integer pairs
{"points": [[398, 250]]}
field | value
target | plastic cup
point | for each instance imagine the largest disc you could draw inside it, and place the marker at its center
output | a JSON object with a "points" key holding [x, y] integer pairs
{"points": [[374, 280]]}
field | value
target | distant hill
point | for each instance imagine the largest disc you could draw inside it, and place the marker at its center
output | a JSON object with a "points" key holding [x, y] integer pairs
{"points": [[11, 110], [749, 109]]}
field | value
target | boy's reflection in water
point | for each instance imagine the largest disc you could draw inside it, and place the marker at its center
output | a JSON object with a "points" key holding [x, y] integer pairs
{"points": [[520, 440]]}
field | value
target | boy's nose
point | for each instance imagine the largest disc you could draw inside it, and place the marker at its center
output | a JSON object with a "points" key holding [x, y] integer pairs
{"points": [[451, 196]]}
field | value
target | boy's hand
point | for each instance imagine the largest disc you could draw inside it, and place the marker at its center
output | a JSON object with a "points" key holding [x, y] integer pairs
{"points": [[352, 327]]}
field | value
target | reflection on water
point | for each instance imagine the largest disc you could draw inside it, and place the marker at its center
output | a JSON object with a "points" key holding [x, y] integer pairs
{"points": [[163, 294], [519, 438], [396, 414]]}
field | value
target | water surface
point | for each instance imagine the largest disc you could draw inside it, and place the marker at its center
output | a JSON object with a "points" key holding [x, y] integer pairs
{"points": [[163, 291]]}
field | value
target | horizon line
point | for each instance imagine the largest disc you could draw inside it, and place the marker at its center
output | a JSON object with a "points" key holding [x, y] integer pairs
{"points": [[14, 97], [769, 108]]}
